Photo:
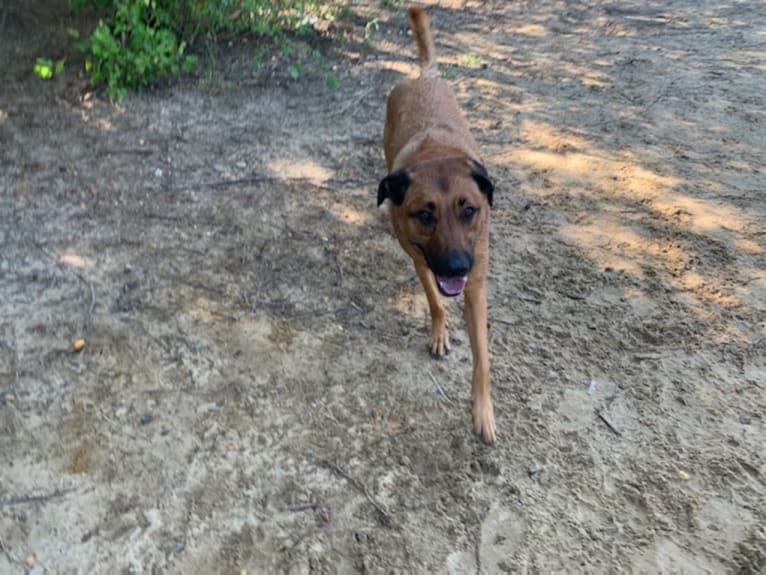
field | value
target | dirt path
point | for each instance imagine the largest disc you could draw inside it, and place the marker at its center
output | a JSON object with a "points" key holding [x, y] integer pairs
{"points": [[256, 392]]}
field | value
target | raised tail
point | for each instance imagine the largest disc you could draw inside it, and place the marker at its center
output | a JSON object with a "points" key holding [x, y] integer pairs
{"points": [[421, 30]]}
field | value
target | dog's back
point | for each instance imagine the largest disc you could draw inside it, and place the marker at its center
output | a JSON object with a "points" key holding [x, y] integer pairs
{"points": [[424, 108]]}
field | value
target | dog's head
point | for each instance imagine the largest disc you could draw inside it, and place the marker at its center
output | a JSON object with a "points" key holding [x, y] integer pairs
{"points": [[440, 207]]}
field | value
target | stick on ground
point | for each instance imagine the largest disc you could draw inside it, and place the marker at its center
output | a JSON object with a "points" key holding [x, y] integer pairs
{"points": [[440, 389], [91, 307], [608, 423], [382, 511]]}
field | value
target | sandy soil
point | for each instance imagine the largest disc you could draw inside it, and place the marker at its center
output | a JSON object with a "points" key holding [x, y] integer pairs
{"points": [[256, 393]]}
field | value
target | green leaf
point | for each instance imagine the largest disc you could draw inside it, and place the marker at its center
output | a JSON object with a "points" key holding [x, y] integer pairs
{"points": [[44, 68], [331, 81], [75, 5], [190, 63]]}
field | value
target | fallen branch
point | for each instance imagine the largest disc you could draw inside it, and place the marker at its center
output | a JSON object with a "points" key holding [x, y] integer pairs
{"points": [[573, 296], [359, 486], [91, 307], [137, 151], [320, 508], [530, 299], [23, 499], [608, 423], [440, 389]]}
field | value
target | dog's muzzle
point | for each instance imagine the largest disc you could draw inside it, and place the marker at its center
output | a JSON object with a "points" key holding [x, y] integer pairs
{"points": [[451, 270]]}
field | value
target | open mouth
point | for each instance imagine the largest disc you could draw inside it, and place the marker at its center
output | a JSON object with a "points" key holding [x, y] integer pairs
{"points": [[451, 286]]}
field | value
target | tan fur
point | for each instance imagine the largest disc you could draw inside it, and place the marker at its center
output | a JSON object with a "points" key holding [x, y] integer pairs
{"points": [[423, 39], [425, 133]]}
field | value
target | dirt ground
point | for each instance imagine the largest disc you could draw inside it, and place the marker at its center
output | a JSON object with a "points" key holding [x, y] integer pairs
{"points": [[256, 393]]}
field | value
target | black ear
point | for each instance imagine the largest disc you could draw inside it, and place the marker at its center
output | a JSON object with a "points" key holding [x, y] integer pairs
{"points": [[481, 177], [393, 187]]}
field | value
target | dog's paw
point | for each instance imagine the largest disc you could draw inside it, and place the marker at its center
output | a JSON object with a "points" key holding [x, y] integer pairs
{"points": [[439, 341], [484, 419]]}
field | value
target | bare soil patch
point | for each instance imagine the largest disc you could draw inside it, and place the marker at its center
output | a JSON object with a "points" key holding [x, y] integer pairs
{"points": [[256, 393]]}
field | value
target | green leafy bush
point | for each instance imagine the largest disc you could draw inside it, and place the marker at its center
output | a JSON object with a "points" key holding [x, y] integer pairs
{"points": [[140, 41], [135, 47]]}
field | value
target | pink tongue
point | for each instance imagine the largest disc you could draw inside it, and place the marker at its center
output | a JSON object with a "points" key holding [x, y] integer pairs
{"points": [[452, 286]]}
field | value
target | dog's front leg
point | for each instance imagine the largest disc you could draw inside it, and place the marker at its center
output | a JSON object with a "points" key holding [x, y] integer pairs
{"points": [[439, 335], [476, 324]]}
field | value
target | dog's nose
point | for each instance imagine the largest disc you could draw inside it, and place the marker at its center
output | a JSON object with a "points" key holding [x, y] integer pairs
{"points": [[452, 264]]}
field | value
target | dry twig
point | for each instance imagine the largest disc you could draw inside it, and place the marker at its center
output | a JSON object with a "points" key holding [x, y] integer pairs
{"points": [[359, 486], [608, 423], [440, 389], [320, 508], [22, 499], [91, 307]]}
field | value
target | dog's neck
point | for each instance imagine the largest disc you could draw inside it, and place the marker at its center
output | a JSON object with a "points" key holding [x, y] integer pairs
{"points": [[434, 145]]}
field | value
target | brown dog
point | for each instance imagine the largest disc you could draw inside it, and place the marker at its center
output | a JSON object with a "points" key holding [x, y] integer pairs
{"points": [[441, 195]]}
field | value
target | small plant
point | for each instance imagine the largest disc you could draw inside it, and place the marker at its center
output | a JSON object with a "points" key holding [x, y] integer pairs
{"points": [[448, 73], [258, 55], [137, 42], [330, 80], [45, 68], [135, 47], [369, 30], [470, 60], [294, 70]]}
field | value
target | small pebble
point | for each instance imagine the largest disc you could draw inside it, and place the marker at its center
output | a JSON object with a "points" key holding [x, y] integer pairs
{"points": [[78, 345], [745, 419], [534, 469], [31, 560], [241, 165], [683, 475], [158, 173]]}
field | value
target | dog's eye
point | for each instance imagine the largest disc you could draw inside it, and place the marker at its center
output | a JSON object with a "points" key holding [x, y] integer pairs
{"points": [[468, 213], [425, 217]]}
